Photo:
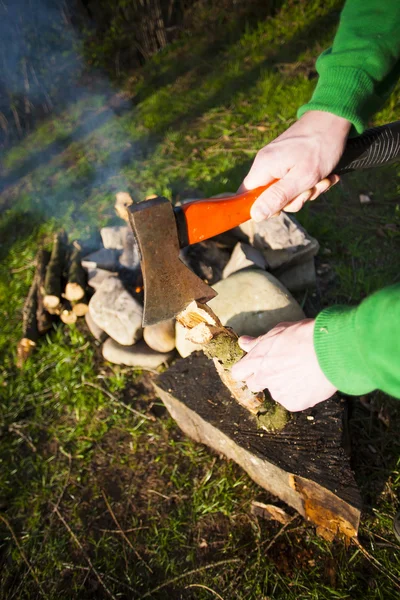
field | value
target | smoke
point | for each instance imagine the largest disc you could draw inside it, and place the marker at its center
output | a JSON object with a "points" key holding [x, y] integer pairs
{"points": [[62, 133]]}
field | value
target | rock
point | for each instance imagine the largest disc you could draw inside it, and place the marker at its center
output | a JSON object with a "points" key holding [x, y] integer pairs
{"points": [[113, 237], [281, 239], [365, 199], [207, 259], [253, 301], [243, 257], [130, 257], [138, 355], [184, 346], [114, 310], [96, 331], [299, 277], [105, 258], [97, 276], [160, 337]]}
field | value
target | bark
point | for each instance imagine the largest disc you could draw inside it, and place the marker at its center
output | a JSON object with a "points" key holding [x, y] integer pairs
{"points": [[220, 344], [54, 273]]}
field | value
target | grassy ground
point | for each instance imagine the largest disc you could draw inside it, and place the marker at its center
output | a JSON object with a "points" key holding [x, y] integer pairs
{"points": [[86, 451]]}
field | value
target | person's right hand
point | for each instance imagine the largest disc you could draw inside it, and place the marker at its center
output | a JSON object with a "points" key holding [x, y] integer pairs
{"points": [[300, 161]]}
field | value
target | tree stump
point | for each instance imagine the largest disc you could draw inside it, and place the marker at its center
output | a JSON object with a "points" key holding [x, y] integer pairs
{"points": [[304, 465]]}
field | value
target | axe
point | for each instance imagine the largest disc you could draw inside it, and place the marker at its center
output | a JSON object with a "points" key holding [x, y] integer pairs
{"points": [[161, 230]]}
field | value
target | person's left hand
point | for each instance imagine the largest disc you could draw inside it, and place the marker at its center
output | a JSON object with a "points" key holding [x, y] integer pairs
{"points": [[284, 362]]}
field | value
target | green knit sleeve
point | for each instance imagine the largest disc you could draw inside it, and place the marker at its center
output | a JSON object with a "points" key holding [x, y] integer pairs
{"points": [[358, 348], [360, 69]]}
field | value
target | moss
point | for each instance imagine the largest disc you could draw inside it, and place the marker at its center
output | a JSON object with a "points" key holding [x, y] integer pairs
{"points": [[273, 416], [226, 349]]}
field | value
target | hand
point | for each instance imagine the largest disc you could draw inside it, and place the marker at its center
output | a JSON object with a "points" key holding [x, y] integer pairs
{"points": [[301, 159], [284, 362]]}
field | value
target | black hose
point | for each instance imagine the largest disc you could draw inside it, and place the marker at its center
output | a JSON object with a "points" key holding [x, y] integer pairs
{"points": [[375, 147]]}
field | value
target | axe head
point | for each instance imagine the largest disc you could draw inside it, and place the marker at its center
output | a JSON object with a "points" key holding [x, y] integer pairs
{"points": [[169, 285]]}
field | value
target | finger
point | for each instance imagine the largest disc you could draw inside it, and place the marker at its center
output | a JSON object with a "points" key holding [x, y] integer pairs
{"points": [[258, 175], [254, 384], [298, 202], [246, 342], [244, 368], [276, 197]]}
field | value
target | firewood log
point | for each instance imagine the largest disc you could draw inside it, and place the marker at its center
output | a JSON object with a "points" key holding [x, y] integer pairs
{"points": [[55, 268], [76, 281], [44, 319], [220, 344], [30, 333]]}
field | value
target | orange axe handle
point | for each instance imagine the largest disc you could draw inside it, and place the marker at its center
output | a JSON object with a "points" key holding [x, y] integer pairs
{"points": [[202, 219], [206, 218]]}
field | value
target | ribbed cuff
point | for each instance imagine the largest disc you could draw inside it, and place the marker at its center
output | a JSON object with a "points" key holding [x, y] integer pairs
{"points": [[342, 91], [338, 352]]}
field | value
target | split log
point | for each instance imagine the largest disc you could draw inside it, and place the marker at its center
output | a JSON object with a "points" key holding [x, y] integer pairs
{"points": [[43, 318], [52, 284], [76, 281], [305, 465], [220, 344]]}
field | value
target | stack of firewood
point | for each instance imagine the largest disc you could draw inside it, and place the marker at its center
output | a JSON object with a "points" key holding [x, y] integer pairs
{"points": [[58, 290]]}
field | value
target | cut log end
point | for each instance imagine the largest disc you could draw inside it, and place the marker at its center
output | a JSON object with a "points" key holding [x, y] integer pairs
{"points": [[80, 309], [24, 350], [68, 317], [51, 303], [123, 200], [74, 291]]}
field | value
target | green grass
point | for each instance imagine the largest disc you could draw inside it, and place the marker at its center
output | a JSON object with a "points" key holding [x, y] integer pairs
{"points": [[199, 114]]}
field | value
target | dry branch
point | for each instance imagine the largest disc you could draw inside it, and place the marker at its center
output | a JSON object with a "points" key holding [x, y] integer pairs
{"points": [[220, 344]]}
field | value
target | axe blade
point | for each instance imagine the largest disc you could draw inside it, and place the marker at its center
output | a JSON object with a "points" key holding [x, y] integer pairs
{"points": [[169, 285]]}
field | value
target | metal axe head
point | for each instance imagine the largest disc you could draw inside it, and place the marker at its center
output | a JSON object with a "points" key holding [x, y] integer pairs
{"points": [[169, 285]]}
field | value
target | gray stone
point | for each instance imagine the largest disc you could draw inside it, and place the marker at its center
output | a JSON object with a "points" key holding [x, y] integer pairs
{"points": [[105, 258], [138, 355], [161, 336], [184, 346], [243, 257], [130, 257], [114, 310], [299, 277], [113, 237], [97, 276], [94, 329], [281, 239], [253, 301]]}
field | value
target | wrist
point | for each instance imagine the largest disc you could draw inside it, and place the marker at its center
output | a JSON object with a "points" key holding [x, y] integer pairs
{"points": [[322, 120]]}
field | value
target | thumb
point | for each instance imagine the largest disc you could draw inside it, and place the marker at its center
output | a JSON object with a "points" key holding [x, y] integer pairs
{"points": [[247, 343], [276, 197]]}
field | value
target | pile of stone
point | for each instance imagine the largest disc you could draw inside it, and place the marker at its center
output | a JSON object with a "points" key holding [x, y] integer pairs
{"points": [[254, 268]]}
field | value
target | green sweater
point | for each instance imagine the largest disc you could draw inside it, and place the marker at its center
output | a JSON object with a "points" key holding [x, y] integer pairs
{"points": [[358, 348], [358, 72]]}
